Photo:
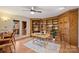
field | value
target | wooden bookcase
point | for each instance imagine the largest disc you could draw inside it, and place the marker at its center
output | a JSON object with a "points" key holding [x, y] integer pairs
{"points": [[36, 26], [49, 24], [43, 26]]}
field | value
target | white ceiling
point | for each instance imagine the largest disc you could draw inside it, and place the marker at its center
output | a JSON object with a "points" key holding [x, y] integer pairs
{"points": [[47, 11]]}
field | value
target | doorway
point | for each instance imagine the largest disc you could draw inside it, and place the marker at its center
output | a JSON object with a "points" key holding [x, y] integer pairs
{"points": [[16, 27], [24, 24]]}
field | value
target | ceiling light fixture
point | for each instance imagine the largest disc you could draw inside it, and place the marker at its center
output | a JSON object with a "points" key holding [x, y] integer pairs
{"points": [[4, 18]]}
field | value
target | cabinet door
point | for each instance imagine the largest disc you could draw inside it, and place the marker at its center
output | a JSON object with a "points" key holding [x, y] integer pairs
{"points": [[74, 28], [61, 28], [66, 28], [60, 24]]}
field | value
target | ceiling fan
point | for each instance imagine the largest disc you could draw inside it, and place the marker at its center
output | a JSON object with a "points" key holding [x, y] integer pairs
{"points": [[33, 10]]}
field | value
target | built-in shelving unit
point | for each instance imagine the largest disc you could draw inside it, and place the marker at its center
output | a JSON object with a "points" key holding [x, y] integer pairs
{"points": [[35, 26], [44, 25]]}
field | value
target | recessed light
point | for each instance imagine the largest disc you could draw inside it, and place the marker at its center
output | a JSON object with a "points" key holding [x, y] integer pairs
{"points": [[32, 12], [61, 8]]}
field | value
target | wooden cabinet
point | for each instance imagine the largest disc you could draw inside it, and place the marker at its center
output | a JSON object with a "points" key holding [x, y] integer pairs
{"points": [[64, 28], [74, 27], [68, 26]]}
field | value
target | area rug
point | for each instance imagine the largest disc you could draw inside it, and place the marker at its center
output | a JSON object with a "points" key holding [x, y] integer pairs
{"points": [[49, 48]]}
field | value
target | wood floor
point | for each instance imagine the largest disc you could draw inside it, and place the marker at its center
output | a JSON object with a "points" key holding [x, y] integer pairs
{"points": [[65, 47], [20, 48]]}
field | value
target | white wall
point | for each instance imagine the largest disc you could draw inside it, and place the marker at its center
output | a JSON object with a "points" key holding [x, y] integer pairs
{"points": [[6, 25], [28, 26], [9, 23]]}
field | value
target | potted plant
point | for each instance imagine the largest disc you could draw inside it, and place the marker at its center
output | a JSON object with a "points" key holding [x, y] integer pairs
{"points": [[53, 33]]}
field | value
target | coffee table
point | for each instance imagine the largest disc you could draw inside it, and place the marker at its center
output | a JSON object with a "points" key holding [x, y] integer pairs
{"points": [[42, 39]]}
